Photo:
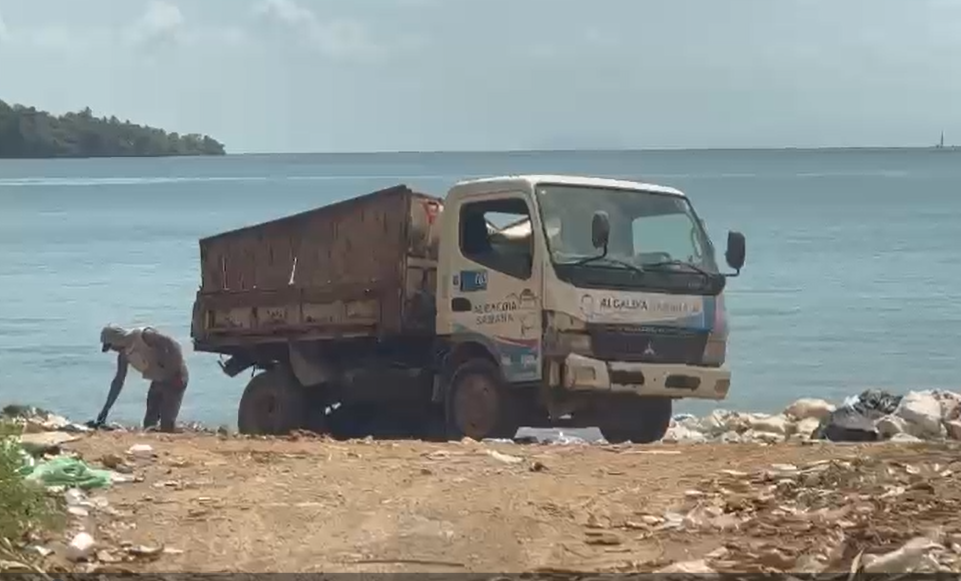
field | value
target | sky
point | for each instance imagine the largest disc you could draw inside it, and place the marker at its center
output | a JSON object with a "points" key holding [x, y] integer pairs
{"points": [[432, 75]]}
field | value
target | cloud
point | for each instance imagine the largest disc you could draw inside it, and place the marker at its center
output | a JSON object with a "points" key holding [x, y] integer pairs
{"points": [[163, 25], [162, 22], [418, 3], [600, 38], [46, 37], [286, 11], [341, 38], [53, 37]]}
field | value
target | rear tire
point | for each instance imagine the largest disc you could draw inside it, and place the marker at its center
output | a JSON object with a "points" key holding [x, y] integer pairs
{"points": [[641, 420], [274, 403], [479, 403]]}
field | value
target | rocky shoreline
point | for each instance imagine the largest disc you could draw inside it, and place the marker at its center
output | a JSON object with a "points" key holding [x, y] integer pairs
{"points": [[871, 416]]}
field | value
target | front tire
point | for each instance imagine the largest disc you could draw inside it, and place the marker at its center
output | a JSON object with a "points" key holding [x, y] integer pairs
{"points": [[641, 420], [479, 403], [274, 403]]}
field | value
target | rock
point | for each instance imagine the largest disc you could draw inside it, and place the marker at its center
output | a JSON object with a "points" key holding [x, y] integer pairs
{"points": [[107, 557], [809, 408], [723, 421], [687, 421], [805, 428], [905, 439], [47, 439], [76, 497], [768, 424], [950, 404], [78, 511], [953, 429], [112, 461], [699, 566], [890, 426], [81, 547], [680, 433], [730, 438], [762, 437], [141, 451], [922, 411]]}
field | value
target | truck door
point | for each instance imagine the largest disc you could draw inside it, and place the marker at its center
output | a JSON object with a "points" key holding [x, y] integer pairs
{"points": [[495, 292]]}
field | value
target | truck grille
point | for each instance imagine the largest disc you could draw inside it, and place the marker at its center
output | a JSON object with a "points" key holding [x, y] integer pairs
{"points": [[648, 344]]}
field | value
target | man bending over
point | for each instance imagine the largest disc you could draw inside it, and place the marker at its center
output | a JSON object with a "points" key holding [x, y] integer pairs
{"points": [[160, 360]]}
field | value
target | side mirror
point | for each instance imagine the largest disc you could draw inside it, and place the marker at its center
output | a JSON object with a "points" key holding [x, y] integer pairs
{"points": [[600, 230], [736, 249]]}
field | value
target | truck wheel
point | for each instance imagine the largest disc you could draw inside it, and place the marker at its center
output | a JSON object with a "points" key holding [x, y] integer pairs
{"points": [[479, 405], [273, 403], [641, 420]]}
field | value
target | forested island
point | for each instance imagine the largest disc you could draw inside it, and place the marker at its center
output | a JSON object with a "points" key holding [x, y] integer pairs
{"points": [[26, 132]]}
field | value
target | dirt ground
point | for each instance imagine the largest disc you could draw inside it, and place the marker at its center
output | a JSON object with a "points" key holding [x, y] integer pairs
{"points": [[308, 505]]}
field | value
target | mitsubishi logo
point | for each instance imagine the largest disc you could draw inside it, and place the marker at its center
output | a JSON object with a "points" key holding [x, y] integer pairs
{"points": [[649, 351]]}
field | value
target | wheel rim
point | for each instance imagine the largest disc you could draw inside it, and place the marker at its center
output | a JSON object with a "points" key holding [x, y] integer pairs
{"points": [[475, 406]]}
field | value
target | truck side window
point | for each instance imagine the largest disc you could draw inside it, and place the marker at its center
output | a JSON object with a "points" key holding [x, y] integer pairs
{"points": [[497, 234]]}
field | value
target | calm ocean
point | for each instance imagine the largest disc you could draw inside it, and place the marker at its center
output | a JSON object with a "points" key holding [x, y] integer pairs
{"points": [[852, 278]]}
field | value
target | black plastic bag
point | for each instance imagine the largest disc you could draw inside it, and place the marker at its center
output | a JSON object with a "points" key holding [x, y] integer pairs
{"points": [[857, 422]]}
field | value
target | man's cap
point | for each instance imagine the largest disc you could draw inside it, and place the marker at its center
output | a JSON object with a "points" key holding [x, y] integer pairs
{"points": [[111, 335]]}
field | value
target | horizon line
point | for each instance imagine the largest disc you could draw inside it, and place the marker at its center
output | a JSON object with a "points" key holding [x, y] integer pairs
{"points": [[607, 150]]}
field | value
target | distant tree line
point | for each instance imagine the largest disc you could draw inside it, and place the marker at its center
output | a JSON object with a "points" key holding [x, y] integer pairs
{"points": [[26, 132]]}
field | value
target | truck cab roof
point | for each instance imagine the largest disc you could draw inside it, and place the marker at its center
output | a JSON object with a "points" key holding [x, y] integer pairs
{"points": [[485, 185]]}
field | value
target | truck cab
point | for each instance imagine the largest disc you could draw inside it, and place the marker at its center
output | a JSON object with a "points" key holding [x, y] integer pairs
{"points": [[602, 297]]}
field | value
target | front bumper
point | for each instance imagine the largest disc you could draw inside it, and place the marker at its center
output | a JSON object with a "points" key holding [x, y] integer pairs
{"points": [[579, 373]]}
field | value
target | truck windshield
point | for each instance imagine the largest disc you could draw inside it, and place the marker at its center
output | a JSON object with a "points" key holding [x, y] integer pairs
{"points": [[656, 240]]}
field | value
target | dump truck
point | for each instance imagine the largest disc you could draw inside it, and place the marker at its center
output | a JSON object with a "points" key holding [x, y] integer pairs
{"points": [[517, 301]]}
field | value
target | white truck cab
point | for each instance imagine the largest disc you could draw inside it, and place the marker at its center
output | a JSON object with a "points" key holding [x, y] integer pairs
{"points": [[604, 293]]}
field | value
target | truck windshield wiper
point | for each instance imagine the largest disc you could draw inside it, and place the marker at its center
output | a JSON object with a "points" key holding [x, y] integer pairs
{"points": [[619, 262], [675, 262]]}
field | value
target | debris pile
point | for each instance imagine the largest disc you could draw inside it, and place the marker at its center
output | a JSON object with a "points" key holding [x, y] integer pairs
{"points": [[827, 516], [873, 415]]}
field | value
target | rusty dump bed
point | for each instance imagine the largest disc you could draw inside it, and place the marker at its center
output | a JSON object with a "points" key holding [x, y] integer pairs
{"points": [[362, 267]]}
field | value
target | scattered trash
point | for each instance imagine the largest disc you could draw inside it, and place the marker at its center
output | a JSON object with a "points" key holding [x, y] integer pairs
{"points": [[81, 547], [145, 551], [907, 559], [67, 471], [505, 458]]}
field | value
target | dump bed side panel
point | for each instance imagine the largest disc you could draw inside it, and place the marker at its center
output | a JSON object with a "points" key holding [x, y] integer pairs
{"points": [[335, 271]]}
